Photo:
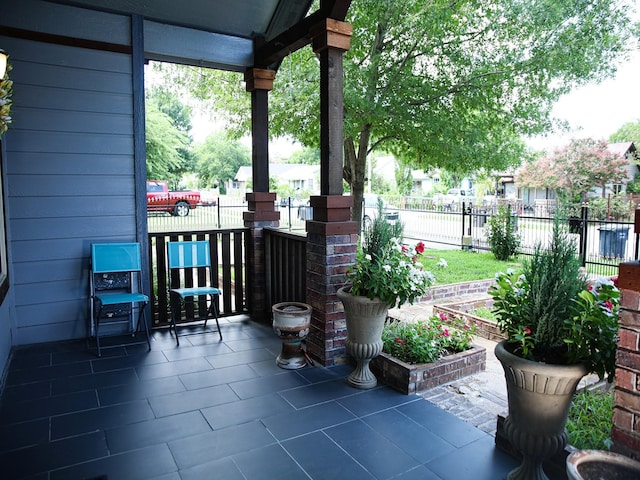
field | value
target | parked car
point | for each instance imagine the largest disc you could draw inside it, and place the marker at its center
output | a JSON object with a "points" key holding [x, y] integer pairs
{"points": [[371, 207], [454, 198], [208, 198], [160, 199]]}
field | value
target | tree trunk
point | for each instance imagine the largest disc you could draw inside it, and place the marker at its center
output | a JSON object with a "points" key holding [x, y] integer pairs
{"points": [[355, 170]]}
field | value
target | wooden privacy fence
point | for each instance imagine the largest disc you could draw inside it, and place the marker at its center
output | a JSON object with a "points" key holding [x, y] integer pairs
{"points": [[286, 266], [228, 249]]}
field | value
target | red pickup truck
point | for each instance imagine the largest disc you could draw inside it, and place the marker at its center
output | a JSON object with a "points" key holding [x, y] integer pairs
{"points": [[160, 199]]}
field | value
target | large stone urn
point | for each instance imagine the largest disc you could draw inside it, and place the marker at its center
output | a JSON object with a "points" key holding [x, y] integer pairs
{"points": [[598, 464], [291, 322], [365, 321], [539, 397]]}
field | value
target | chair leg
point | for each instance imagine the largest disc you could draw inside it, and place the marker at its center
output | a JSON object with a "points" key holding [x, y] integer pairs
{"points": [[97, 327], [174, 313], [215, 314], [143, 317]]}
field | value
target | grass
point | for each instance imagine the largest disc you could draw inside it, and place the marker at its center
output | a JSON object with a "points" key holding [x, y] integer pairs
{"points": [[591, 419], [484, 312], [463, 266]]}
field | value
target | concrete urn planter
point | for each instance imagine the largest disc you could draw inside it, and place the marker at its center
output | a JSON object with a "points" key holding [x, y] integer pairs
{"points": [[539, 397], [291, 322], [597, 464], [365, 320]]}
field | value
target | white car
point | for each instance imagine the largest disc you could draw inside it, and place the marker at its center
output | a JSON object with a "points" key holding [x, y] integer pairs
{"points": [[371, 208], [455, 197]]}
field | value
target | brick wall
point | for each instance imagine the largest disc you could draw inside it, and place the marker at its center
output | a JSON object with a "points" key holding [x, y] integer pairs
{"points": [[626, 413]]}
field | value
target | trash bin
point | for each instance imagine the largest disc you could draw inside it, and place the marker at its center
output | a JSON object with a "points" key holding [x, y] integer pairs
{"points": [[514, 221], [480, 218], [613, 241]]}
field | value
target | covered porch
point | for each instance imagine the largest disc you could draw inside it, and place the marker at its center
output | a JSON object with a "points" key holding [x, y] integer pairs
{"points": [[211, 409]]}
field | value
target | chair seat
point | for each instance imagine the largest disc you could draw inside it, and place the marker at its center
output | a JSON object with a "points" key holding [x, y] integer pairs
{"points": [[115, 298], [192, 292]]}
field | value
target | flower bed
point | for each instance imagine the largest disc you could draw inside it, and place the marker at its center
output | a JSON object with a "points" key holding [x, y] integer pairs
{"points": [[409, 379], [484, 328]]}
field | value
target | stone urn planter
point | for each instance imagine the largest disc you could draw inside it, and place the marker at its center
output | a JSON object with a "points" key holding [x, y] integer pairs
{"points": [[597, 464], [365, 321], [291, 322], [539, 397]]}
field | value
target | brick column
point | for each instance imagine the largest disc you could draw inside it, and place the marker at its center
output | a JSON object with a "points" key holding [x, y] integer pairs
{"points": [[261, 214], [626, 412], [331, 251]]}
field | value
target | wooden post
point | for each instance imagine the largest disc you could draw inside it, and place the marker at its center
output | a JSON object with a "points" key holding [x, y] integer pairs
{"points": [[331, 235]]}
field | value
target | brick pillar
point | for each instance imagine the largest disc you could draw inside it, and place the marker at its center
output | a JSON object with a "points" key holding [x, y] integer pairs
{"points": [[626, 412], [331, 251], [261, 214]]}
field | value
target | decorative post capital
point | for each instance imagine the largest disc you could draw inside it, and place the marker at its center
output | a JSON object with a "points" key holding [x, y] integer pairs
{"points": [[259, 79], [330, 33]]}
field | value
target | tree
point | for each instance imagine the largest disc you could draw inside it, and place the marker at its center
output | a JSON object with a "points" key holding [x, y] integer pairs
{"points": [[575, 169], [448, 84], [629, 132], [305, 156], [164, 144], [168, 123], [219, 160]]}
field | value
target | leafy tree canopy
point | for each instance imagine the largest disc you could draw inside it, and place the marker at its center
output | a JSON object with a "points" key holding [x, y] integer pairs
{"points": [[575, 169], [447, 84], [629, 132], [165, 146], [305, 156], [219, 159]]}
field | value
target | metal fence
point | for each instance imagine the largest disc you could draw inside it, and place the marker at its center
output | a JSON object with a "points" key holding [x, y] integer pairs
{"points": [[602, 244]]}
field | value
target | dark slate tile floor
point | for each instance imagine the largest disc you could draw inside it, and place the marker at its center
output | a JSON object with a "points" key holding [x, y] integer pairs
{"points": [[223, 410]]}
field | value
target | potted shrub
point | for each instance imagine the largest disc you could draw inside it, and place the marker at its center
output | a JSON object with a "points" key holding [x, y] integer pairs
{"points": [[558, 329], [386, 274]]}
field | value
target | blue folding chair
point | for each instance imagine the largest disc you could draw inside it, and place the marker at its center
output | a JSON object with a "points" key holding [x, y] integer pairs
{"points": [[114, 290], [189, 264]]}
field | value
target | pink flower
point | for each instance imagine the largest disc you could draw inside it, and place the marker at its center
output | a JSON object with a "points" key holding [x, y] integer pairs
{"points": [[420, 247], [400, 341], [608, 305], [443, 316], [445, 332], [527, 330]]}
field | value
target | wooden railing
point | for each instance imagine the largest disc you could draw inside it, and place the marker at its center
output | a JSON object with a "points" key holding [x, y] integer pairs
{"points": [[286, 266], [228, 258]]}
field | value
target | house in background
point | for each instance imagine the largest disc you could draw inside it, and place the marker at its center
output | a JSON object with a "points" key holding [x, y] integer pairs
{"points": [[298, 177]]}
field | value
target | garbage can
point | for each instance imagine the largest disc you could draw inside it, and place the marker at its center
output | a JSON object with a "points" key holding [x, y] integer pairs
{"points": [[514, 220], [613, 241], [480, 218]]}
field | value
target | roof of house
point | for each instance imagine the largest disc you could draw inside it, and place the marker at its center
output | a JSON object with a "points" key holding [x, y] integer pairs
{"points": [[622, 148]]}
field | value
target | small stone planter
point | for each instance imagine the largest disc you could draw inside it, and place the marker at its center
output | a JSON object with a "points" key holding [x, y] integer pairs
{"points": [[408, 379]]}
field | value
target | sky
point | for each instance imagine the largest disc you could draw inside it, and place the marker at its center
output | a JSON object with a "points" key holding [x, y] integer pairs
{"points": [[597, 111]]}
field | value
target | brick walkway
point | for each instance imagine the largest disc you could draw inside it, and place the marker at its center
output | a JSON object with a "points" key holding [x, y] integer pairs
{"points": [[477, 399]]}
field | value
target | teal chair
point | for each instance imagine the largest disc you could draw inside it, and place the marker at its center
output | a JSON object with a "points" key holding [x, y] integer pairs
{"points": [[115, 285], [191, 277]]}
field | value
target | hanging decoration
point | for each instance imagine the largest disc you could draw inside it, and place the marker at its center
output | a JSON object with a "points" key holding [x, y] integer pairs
{"points": [[6, 91]]}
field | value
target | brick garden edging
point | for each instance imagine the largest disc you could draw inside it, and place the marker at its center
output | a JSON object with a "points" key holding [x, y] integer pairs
{"points": [[407, 378], [484, 328]]}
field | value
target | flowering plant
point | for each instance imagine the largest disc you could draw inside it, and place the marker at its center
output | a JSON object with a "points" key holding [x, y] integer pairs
{"points": [[393, 274], [6, 91], [550, 313], [387, 269], [427, 341]]}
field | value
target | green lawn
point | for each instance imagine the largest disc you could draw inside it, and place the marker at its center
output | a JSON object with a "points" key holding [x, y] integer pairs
{"points": [[464, 266]]}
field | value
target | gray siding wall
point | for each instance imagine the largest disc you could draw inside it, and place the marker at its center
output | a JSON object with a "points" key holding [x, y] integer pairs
{"points": [[70, 166]]}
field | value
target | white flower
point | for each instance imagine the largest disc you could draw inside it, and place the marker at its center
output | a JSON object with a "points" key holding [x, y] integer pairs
{"points": [[443, 263], [386, 268], [368, 257], [510, 271]]}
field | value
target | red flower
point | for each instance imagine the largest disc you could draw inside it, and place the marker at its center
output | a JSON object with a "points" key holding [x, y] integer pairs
{"points": [[614, 279], [443, 316], [404, 249], [400, 341], [608, 305], [527, 330], [420, 247], [445, 332]]}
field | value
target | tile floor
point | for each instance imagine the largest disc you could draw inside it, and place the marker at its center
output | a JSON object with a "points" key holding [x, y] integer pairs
{"points": [[223, 410]]}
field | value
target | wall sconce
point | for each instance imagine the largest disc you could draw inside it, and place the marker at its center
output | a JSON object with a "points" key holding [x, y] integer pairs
{"points": [[3, 63]]}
